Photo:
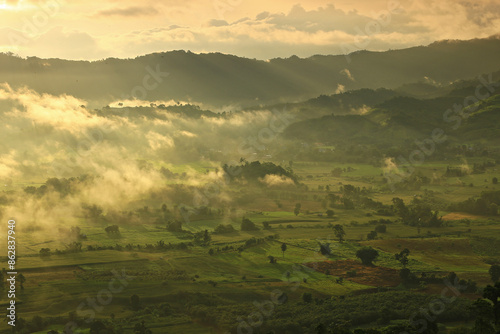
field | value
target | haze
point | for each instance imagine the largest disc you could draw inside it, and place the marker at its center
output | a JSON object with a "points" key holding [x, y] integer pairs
{"points": [[256, 29]]}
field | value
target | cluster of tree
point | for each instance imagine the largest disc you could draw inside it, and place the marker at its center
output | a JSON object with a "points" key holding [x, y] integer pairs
{"points": [[367, 255], [202, 238], [307, 313], [350, 197], [62, 186], [112, 230], [248, 225], [159, 246], [226, 248], [92, 212], [222, 229], [417, 213], [480, 168], [255, 170], [170, 175], [72, 247], [411, 182], [456, 171], [487, 204], [252, 242], [174, 226], [487, 311]]}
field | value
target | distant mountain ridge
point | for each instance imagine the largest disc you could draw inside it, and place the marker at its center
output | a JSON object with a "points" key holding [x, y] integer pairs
{"points": [[219, 80], [401, 119]]}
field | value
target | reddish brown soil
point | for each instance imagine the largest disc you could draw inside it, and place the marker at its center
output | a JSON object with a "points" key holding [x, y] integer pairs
{"points": [[459, 216], [367, 275]]}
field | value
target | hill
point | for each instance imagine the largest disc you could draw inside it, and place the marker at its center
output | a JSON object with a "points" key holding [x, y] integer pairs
{"points": [[224, 80]]}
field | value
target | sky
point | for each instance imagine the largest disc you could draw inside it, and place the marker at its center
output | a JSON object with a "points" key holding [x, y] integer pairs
{"points": [[262, 29]]}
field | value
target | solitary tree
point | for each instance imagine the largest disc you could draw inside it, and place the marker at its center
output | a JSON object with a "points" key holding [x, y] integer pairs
{"points": [[22, 279], [324, 249], [372, 235], [296, 211], [44, 252], [135, 302], [112, 230], [494, 272], [307, 297], [494, 180], [283, 249], [339, 232], [330, 213], [367, 255], [402, 257]]}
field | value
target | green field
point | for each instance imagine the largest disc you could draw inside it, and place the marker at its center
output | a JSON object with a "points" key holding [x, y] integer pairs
{"points": [[171, 281]]}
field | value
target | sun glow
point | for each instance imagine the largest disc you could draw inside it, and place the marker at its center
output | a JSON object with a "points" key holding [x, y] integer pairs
{"points": [[12, 5]]}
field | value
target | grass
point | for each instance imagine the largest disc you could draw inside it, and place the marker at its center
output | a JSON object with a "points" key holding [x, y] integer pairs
{"points": [[57, 285]]}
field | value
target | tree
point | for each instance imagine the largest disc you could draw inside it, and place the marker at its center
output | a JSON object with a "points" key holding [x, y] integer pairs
{"points": [[248, 225], [174, 226], [202, 238], [324, 249], [272, 260], [92, 212], [22, 279], [44, 252], [402, 257], [367, 255], [296, 211], [492, 293], [221, 229], [348, 203], [406, 275], [283, 249], [140, 328], [330, 213], [494, 180], [494, 272], [307, 297], [135, 302], [112, 230], [372, 235], [339, 232], [382, 228], [400, 208], [97, 327]]}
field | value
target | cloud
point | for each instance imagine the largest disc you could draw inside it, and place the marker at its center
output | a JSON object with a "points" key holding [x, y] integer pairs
{"points": [[157, 141], [276, 181], [61, 113], [217, 23], [347, 74], [65, 44], [340, 89], [259, 30], [135, 11]]}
